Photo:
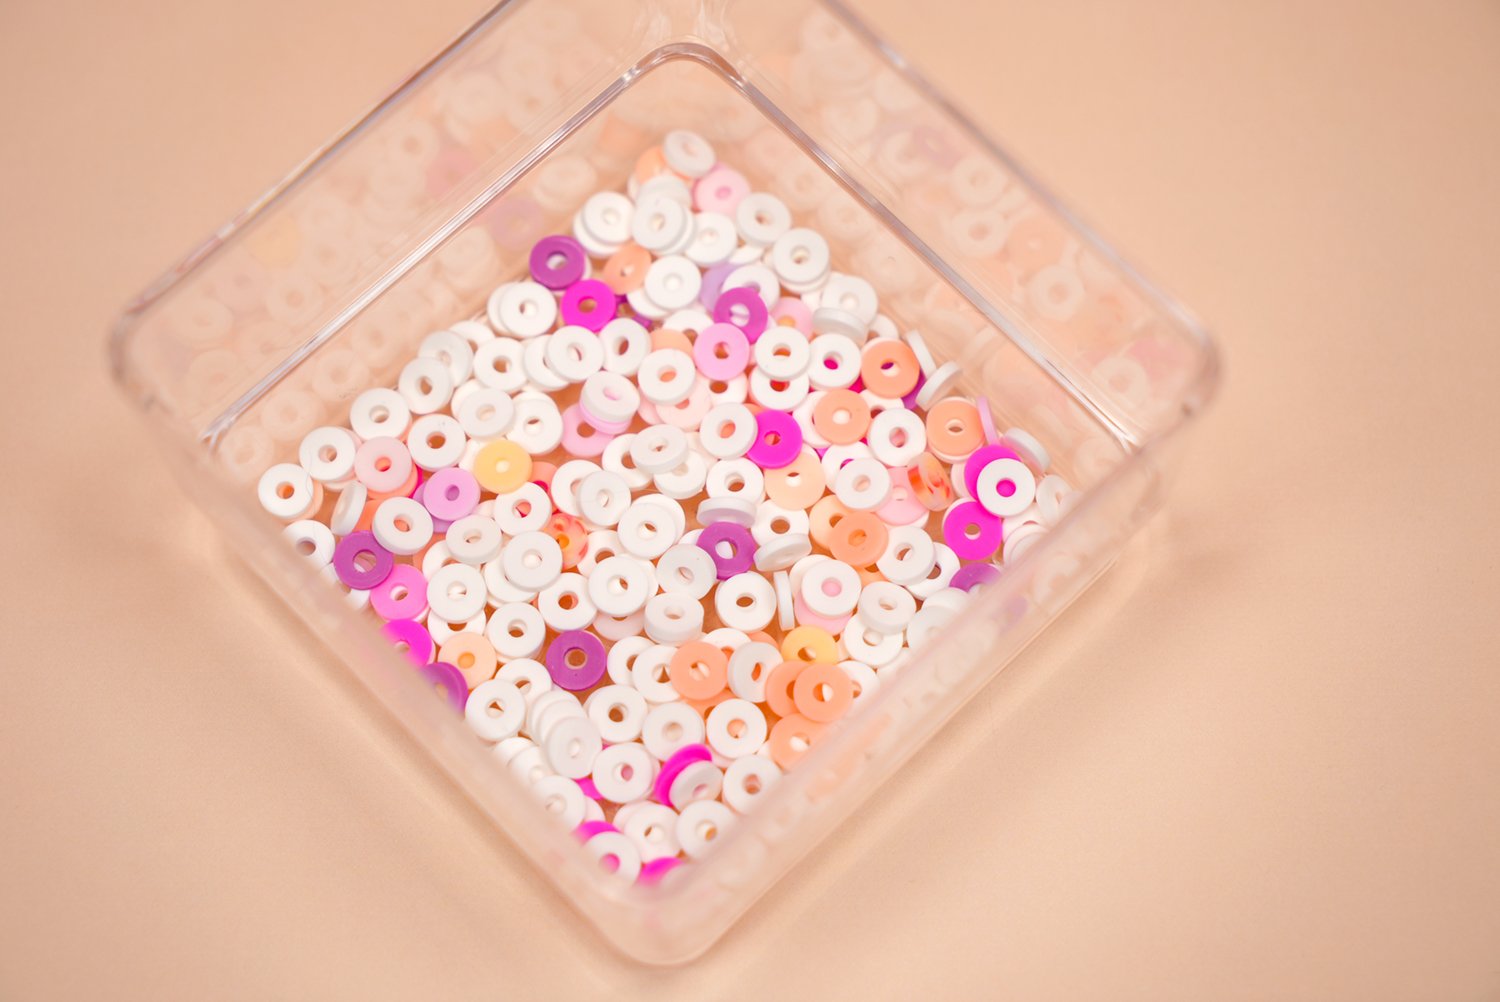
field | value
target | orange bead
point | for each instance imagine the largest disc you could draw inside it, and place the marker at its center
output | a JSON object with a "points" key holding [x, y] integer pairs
{"points": [[625, 271], [572, 538], [698, 670], [809, 644], [929, 482], [779, 687], [859, 539], [792, 738], [842, 417], [823, 692], [502, 466], [889, 367]]}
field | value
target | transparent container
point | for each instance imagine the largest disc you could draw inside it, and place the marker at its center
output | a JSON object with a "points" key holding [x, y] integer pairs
{"points": [[326, 284]]}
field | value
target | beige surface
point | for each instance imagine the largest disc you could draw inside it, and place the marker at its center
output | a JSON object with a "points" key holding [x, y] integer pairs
{"points": [[1260, 762]]}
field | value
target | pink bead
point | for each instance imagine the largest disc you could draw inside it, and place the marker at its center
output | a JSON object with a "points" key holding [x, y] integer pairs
{"points": [[796, 310], [743, 307], [589, 304], [987, 420], [722, 351], [806, 617], [451, 494], [902, 508], [971, 532], [649, 413], [589, 829], [689, 414], [581, 437], [720, 190], [672, 768], [589, 789], [439, 525], [402, 595], [778, 440], [608, 427]]}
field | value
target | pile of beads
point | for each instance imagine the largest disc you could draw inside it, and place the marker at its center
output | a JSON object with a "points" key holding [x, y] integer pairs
{"points": [[666, 512]]}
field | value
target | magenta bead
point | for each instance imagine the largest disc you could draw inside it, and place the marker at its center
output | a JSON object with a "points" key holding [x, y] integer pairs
{"points": [[346, 561], [972, 576], [557, 261], [419, 645], [672, 768], [744, 308], [722, 351], [589, 789], [589, 829], [575, 677], [448, 682], [407, 582], [778, 440], [589, 304], [451, 494], [971, 532], [652, 872], [982, 457], [718, 537], [910, 400]]}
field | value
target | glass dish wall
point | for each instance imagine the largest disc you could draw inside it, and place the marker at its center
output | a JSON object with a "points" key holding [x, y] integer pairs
{"points": [[325, 286]]}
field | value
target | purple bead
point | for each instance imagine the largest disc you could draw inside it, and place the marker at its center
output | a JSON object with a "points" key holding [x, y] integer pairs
{"points": [[557, 261], [718, 537], [746, 304], [575, 660], [972, 576], [713, 281], [449, 683], [778, 440], [979, 459], [355, 549], [589, 304], [419, 645]]}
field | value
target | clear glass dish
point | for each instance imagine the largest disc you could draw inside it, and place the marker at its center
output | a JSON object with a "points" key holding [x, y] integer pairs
{"points": [[325, 285]]}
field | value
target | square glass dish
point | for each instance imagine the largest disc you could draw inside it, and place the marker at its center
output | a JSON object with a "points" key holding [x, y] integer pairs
{"points": [[326, 285]]}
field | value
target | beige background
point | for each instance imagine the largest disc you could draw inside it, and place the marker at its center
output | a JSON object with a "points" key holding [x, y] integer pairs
{"points": [[1262, 760]]}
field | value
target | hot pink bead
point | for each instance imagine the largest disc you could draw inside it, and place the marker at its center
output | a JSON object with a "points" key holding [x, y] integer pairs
{"points": [[414, 635], [672, 768], [720, 190], [982, 457], [806, 617], [589, 304], [589, 829], [788, 308], [744, 308], [451, 494], [778, 440], [652, 872], [971, 532], [589, 789], [688, 414], [402, 595], [722, 351], [581, 437]]}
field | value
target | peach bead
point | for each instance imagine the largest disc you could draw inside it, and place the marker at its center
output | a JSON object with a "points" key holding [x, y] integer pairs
{"points": [[823, 692], [779, 686], [842, 417], [889, 367], [650, 164], [404, 491], [823, 517], [798, 485], [704, 705], [953, 427], [809, 644], [502, 466], [542, 474], [625, 271], [859, 539], [698, 670], [472, 655], [666, 337], [792, 737]]}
